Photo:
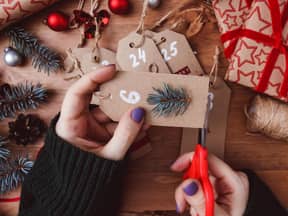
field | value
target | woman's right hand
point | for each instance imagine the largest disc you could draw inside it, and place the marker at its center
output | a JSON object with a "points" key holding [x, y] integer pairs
{"points": [[231, 189]]}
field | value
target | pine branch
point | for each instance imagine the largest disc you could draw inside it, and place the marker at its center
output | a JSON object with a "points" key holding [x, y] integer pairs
{"points": [[12, 173], [46, 60], [4, 153], [24, 42], [20, 98], [43, 59], [169, 101]]}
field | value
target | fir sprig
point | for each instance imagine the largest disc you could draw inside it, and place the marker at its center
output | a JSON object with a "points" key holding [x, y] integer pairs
{"points": [[24, 42], [46, 60], [169, 101], [4, 152], [20, 98], [12, 173], [43, 59]]}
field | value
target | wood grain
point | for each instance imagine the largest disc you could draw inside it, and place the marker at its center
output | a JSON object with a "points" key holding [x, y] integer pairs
{"points": [[149, 184]]}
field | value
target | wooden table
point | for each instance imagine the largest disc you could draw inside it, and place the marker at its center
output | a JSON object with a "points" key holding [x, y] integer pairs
{"points": [[147, 187]]}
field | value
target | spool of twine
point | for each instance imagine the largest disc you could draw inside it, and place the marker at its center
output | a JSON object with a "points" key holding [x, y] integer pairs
{"points": [[268, 116]]}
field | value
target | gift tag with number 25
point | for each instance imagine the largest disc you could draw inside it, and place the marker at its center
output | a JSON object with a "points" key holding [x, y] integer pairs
{"points": [[177, 53]]}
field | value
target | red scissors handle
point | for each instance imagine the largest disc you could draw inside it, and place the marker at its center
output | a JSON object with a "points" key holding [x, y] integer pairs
{"points": [[199, 170]]}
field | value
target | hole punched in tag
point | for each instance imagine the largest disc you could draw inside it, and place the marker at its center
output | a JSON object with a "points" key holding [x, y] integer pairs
{"points": [[153, 68]]}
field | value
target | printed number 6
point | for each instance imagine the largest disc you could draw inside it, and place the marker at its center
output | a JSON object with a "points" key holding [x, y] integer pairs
{"points": [[173, 51], [132, 98]]}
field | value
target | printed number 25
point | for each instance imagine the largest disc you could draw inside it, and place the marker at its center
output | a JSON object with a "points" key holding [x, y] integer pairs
{"points": [[173, 51], [136, 59]]}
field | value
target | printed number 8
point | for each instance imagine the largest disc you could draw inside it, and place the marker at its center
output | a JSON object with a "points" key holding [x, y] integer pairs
{"points": [[173, 51]]}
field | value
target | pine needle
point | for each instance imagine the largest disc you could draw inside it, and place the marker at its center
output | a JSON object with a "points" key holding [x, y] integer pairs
{"points": [[20, 98], [12, 173], [43, 59], [169, 101], [4, 153]]}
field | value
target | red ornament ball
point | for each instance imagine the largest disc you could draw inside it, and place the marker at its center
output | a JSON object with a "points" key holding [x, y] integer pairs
{"points": [[58, 21], [119, 6]]}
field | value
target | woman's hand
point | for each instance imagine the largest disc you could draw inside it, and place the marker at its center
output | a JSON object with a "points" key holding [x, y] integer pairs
{"points": [[92, 130], [231, 189]]}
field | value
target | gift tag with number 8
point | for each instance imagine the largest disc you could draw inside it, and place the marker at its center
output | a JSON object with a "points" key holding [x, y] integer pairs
{"points": [[139, 53]]}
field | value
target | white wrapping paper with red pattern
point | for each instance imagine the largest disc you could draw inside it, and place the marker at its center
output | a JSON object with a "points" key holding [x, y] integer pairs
{"points": [[258, 58], [14, 10], [231, 14]]}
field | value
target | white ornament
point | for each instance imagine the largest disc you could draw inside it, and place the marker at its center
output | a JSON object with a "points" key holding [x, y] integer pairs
{"points": [[12, 57], [154, 3]]}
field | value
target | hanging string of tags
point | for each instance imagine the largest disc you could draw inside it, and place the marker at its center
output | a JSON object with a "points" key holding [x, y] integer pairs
{"points": [[161, 52], [82, 60], [166, 54]]}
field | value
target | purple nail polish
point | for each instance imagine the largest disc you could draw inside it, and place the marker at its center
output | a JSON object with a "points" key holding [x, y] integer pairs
{"points": [[138, 114], [191, 189], [111, 65], [178, 209]]}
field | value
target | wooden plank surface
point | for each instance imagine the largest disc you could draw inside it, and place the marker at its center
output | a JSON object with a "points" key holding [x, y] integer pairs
{"points": [[149, 183]]}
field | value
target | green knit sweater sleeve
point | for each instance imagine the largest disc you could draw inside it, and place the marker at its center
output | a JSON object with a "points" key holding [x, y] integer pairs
{"points": [[68, 181]]}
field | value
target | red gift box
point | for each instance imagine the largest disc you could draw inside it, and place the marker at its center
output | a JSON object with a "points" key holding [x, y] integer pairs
{"points": [[258, 53]]}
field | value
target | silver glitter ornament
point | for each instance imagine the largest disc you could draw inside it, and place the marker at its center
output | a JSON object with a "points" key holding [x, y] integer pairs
{"points": [[154, 3], [12, 57]]}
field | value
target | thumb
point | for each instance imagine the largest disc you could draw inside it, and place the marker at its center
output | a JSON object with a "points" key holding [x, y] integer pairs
{"points": [[124, 135], [190, 192]]}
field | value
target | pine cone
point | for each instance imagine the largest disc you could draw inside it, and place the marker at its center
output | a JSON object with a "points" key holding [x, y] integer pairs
{"points": [[26, 129]]}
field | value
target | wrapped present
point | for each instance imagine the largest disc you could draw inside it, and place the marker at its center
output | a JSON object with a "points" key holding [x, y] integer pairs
{"points": [[231, 15], [259, 57], [12, 11]]}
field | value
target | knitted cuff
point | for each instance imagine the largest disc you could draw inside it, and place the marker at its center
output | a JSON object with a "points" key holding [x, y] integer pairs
{"points": [[67, 180]]}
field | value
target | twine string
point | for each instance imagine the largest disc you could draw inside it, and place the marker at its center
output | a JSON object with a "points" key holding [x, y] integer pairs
{"points": [[141, 25], [267, 116], [102, 96], [215, 68], [170, 14]]}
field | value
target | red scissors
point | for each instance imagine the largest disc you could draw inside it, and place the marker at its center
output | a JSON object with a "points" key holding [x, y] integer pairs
{"points": [[199, 166]]}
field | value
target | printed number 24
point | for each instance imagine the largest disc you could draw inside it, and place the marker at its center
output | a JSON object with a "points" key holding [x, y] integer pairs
{"points": [[173, 51], [136, 59]]}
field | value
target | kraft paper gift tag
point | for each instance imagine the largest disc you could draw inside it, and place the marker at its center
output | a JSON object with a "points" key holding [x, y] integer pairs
{"points": [[217, 123], [79, 60], [177, 53], [118, 95], [138, 53]]}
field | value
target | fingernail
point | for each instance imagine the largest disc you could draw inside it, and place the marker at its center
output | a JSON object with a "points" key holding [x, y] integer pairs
{"points": [[111, 65], [191, 189], [138, 114], [178, 209]]}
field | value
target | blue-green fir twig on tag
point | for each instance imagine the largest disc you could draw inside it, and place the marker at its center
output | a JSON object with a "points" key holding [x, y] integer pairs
{"points": [[169, 101]]}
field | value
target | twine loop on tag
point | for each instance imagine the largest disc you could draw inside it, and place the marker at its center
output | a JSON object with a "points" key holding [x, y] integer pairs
{"points": [[102, 96], [215, 68], [75, 62]]}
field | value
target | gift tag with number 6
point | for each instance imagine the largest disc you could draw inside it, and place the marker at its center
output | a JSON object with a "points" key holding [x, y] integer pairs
{"points": [[177, 53], [139, 53]]}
